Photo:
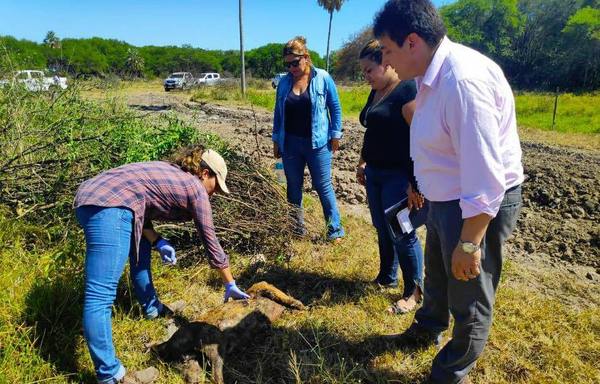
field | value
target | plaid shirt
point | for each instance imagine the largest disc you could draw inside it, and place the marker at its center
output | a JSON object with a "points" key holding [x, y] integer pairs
{"points": [[156, 190]]}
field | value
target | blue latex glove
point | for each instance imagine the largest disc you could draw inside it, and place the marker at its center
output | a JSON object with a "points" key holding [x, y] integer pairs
{"points": [[167, 252], [231, 290]]}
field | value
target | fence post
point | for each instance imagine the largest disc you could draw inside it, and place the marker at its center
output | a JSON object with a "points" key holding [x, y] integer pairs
{"points": [[555, 104]]}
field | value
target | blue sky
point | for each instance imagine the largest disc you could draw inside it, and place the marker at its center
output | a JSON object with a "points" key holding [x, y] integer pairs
{"points": [[206, 24]]}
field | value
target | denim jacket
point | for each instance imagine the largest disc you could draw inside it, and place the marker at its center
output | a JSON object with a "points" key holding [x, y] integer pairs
{"points": [[325, 108]]}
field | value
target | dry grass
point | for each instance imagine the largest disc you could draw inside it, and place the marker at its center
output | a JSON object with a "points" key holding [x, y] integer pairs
{"points": [[100, 89], [585, 141], [535, 338], [353, 98], [546, 327]]}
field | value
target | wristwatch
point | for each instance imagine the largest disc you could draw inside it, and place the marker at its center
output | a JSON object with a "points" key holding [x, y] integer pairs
{"points": [[469, 247]]}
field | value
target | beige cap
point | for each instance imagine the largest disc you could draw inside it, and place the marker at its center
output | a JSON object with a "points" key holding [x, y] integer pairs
{"points": [[218, 166]]}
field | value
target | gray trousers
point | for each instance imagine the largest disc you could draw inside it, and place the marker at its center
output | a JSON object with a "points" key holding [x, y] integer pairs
{"points": [[470, 303]]}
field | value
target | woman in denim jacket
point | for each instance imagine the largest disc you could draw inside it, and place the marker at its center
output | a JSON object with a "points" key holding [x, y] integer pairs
{"points": [[307, 128]]}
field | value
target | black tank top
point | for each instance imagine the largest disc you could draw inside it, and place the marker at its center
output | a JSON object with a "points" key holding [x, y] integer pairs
{"points": [[298, 112], [387, 140]]}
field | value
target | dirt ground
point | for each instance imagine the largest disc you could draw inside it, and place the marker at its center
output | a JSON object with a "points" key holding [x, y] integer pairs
{"points": [[559, 224]]}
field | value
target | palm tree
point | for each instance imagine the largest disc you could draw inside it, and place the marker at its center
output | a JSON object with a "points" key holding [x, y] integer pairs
{"points": [[330, 6], [52, 40]]}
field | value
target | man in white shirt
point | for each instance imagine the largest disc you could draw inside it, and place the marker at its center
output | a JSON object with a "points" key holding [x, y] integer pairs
{"points": [[467, 157]]}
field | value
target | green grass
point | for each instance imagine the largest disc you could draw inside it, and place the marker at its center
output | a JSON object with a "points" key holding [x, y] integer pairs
{"points": [[574, 113], [231, 93], [351, 98], [535, 338], [538, 336], [577, 122]]}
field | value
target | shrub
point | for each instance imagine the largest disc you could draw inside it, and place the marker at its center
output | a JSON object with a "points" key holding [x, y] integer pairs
{"points": [[54, 141]]}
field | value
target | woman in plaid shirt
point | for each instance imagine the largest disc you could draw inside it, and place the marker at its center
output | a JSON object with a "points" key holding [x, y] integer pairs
{"points": [[115, 210]]}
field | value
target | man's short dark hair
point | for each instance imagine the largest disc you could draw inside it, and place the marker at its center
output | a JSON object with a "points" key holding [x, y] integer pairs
{"points": [[399, 18]]}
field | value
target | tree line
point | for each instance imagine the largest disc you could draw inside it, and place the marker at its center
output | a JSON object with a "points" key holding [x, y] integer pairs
{"points": [[540, 44], [101, 57]]}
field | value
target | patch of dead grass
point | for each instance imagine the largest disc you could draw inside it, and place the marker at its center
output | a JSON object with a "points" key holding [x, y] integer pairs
{"points": [[536, 338], [585, 141]]}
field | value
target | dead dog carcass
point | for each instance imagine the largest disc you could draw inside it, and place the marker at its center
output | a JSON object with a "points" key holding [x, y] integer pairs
{"points": [[221, 329]]}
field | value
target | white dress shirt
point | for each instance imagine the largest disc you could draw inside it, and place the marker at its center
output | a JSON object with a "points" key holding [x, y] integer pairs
{"points": [[464, 139]]}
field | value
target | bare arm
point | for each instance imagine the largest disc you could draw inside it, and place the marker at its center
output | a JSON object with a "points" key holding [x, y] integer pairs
{"points": [[360, 171], [408, 110], [226, 275], [474, 228], [150, 234], [466, 266]]}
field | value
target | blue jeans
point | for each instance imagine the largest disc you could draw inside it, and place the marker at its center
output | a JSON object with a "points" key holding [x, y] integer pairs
{"points": [[299, 153], [386, 187], [470, 302], [108, 237]]}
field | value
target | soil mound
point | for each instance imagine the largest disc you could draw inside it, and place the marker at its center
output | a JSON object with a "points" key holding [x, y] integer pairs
{"points": [[561, 209]]}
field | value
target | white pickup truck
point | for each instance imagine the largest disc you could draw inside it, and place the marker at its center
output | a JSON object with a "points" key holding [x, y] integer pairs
{"points": [[35, 81], [179, 80]]}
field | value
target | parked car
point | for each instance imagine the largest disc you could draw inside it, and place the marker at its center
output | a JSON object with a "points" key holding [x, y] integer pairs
{"points": [[179, 80], [275, 80], [35, 81], [208, 78]]}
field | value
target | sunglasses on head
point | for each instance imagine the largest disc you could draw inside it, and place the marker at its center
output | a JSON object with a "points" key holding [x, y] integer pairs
{"points": [[294, 63]]}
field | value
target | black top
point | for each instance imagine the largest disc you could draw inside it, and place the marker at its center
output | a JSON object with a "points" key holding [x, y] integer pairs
{"points": [[298, 112], [387, 140]]}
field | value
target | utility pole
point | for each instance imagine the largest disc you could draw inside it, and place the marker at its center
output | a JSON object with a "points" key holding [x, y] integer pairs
{"points": [[243, 75]]}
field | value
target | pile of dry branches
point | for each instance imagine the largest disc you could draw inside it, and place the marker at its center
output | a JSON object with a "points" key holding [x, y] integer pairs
{"points": [[253, 219]]}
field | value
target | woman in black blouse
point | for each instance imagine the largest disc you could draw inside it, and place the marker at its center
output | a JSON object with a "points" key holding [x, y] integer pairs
{"points": [[385, 169]]}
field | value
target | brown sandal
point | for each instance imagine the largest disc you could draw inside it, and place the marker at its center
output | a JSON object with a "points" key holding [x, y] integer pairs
{"points": [[396, 309]]}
